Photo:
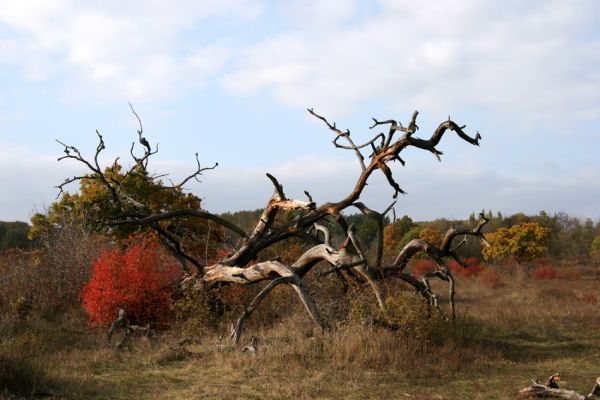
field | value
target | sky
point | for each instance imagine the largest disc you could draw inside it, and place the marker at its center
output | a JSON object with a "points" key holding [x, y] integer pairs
{"points": [[232, 79]]}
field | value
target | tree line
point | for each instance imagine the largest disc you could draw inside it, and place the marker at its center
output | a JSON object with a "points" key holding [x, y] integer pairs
{"points": [[569, 238]]}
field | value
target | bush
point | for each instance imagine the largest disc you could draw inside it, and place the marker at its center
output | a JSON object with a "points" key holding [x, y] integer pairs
{"points": [[48, 280], [595, 250], [569, 275], [474, 267], [424, 266], [589, 298], [490, 278], [139, 280], [198, 311], [544, 272]]}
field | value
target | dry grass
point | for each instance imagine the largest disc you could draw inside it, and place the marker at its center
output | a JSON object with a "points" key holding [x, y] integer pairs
{"points": [[503, 337]]}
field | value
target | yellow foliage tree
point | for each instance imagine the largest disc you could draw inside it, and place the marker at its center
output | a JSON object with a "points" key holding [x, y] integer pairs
{"points": [[95, 206], [595, 250], [431, 235], [522, 242], [393, 234], [391, 237]]}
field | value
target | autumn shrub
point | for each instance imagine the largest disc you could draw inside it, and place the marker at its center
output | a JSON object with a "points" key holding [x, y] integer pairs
{"points": [[473, 267], [490, 278], [589, 298], [140, 280], [544, 272], [424, 266], [47, 280], [198, 311], [595, 250], [569, 275]]}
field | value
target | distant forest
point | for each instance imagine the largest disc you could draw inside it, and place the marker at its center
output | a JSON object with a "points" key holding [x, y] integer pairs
{"points": [[14, 235], [570, 238]]}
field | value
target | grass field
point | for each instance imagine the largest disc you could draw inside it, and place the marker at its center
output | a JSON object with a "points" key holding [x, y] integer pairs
{"points": [[504, 336]]}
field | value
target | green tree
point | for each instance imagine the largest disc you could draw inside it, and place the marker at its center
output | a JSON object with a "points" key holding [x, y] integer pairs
{"points": [[393, 233], [13, 235], [522, 242], [413, 233]]}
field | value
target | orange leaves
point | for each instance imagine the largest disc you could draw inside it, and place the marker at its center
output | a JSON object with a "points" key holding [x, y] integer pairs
{"points": [[138, 280]]}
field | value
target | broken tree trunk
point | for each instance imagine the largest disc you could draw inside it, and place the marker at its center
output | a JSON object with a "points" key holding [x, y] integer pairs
{"points": [[550, 390], [244, 265]]}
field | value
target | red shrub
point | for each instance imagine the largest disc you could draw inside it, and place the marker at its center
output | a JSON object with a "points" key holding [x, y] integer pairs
{"points": [[544, 273], [424, 266], [138, 280], [489, 278], [589, 298], [569, 275], [473, 268]]}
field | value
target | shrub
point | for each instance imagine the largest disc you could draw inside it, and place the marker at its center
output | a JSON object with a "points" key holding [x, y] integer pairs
{"points": [[424, 266], [595, 250], [474, 267], [544, 272], [589, 298], [139, 280], [490, 278], [198, 311], [47, 281], [569, 275]]}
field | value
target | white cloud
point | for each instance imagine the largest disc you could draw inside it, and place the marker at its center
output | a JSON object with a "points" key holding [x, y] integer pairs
{"points": [[537, 58], [532, 65], [444, 56], [434, 189], [29, 180], [130, 49]]}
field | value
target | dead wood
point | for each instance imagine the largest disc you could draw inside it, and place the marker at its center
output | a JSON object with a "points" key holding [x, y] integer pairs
{"points": [[551, 390], [244, 264]]}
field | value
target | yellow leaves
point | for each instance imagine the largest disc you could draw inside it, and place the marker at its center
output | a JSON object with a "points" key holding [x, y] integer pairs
{"points": [[392, 235], [595, 250], [95, 204], [522, 242], [430, 235]]}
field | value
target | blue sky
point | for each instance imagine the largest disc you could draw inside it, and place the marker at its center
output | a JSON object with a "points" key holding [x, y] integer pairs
{"points": [[231, 80]]}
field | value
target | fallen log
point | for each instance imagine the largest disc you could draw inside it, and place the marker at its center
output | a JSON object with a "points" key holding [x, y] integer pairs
{"points": [[550, 390]]}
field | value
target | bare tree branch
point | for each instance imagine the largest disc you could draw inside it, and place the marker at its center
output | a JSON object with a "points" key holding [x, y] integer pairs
{"points": [[244, 265]]}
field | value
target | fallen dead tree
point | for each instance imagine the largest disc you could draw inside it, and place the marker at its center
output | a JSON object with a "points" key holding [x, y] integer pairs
{"points": [[551, 390], [246, 265]]}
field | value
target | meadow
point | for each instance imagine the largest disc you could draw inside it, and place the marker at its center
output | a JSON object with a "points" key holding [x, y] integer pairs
{"points": [[513, 324]]}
